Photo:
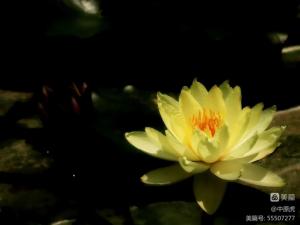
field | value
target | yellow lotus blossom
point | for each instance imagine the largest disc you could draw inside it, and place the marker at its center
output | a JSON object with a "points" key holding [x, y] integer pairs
{"points": [[211, 137]]}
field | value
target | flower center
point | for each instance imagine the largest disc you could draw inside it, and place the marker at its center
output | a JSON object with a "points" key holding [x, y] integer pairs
{"points": [[207, 121]]}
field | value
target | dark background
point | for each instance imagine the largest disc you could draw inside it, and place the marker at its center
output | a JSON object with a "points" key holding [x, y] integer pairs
{"points": [[156, 45]]}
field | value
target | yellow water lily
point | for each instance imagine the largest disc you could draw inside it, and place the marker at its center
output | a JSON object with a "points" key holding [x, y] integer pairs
{"points": [[212, 137]]}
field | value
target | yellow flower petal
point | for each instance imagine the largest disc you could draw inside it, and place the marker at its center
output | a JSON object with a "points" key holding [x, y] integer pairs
{"points": [[143, 142], [209, 191], [265, 119], [222, 137], [267, 151], [212, 100], [231, 169], [199, 92], [237, 129], [215, 100], [189, 107], [254, 119], [211, 150], [162, 141], [206, 149], [154, 135], [226, 89], [226, 171], [192, 167], [168, 100], [267, 139], [242, 149], [166, 175], [180, 148], [197, 136], [256, 175], [233, 105], [171, 115]]}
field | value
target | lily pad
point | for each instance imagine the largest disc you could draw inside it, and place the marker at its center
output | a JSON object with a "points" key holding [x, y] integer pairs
{"points": [[30, 122], [26, 199], [9, 98], [168, 213], [16, 156], [289, 118]]}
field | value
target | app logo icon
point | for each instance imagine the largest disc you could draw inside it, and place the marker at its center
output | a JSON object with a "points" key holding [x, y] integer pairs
{"points": [[274, 197]]}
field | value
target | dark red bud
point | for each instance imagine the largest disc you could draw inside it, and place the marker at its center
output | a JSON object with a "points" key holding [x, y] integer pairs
{"points": [[75, 105]]}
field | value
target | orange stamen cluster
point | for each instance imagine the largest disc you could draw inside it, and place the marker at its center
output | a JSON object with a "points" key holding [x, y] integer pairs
{"points": [[207, 120]]}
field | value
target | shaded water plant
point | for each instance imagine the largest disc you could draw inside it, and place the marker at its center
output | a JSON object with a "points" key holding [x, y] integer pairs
{"points": [[211, 137]]}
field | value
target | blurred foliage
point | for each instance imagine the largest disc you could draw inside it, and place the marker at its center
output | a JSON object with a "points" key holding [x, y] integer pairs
{"points": [[63, 222], [16, 156], [85, 20]]}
